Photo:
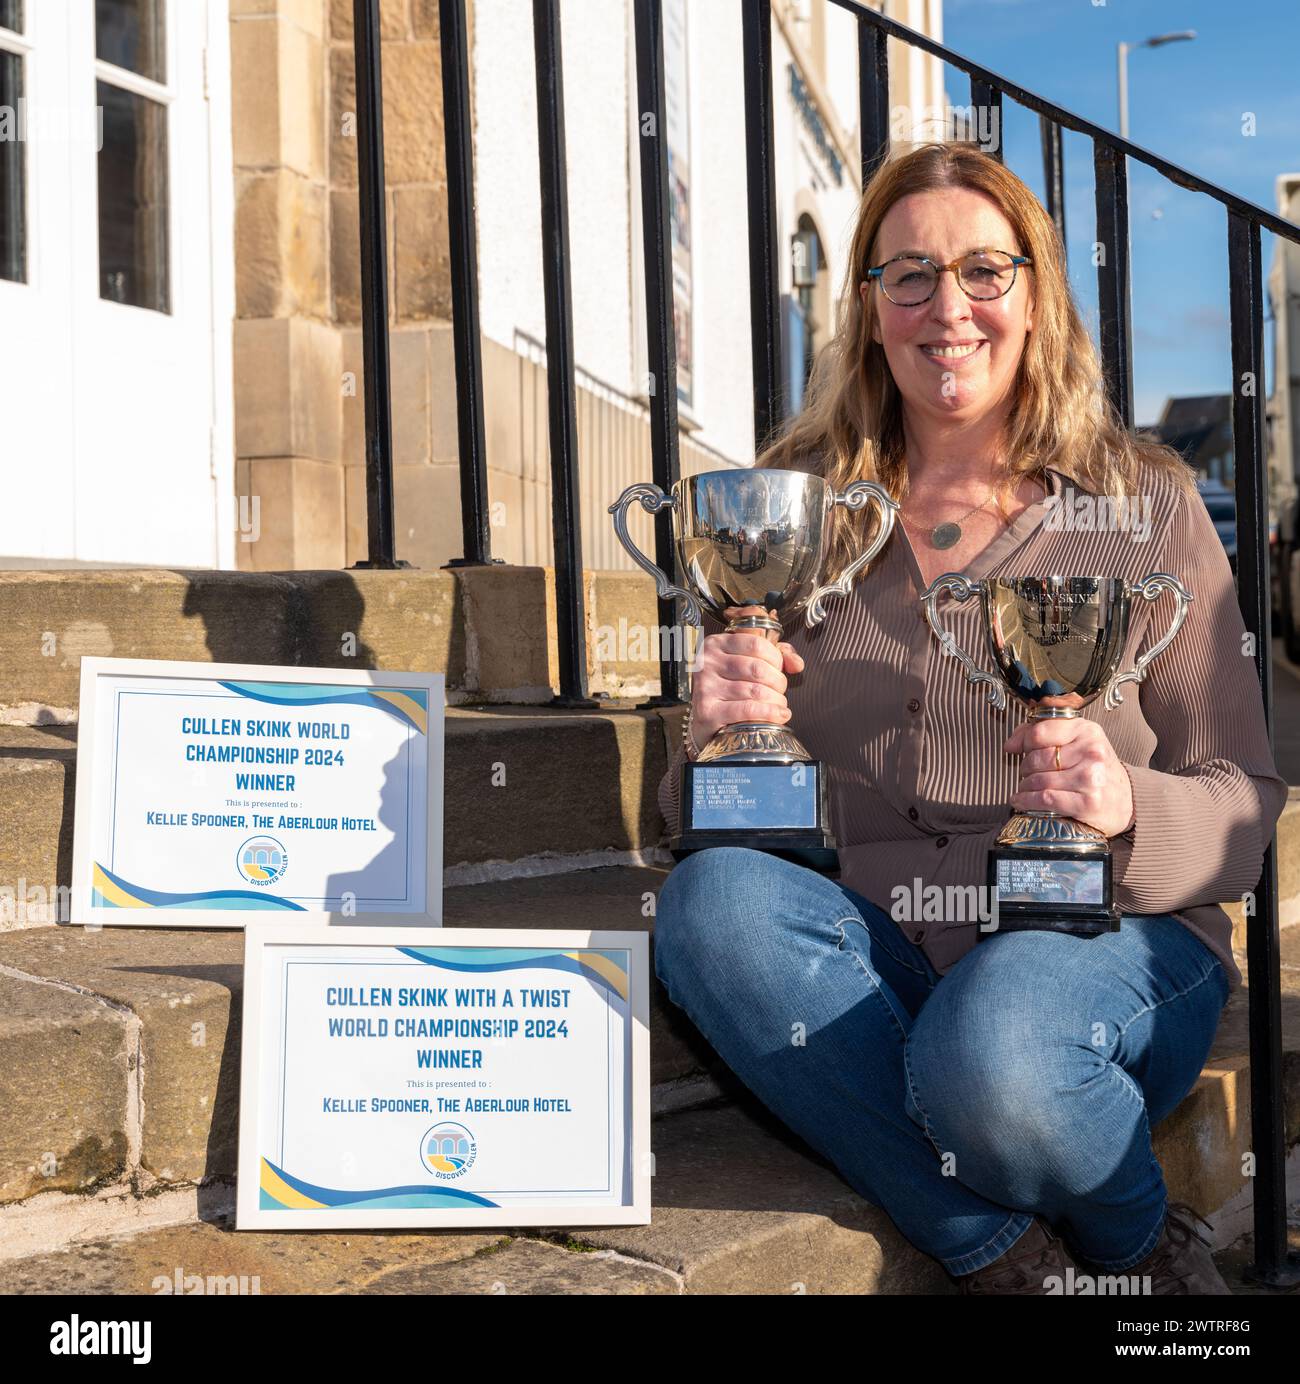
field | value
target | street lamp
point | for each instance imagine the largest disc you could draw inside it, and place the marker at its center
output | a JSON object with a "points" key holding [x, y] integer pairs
{"points": [[1124, 49]]}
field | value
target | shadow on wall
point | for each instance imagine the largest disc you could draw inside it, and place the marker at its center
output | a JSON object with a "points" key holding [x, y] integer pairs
{"points": [[310, 619]]}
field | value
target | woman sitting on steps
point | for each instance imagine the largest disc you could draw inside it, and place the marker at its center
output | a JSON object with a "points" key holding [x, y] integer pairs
{"points": [[997, 1099]]}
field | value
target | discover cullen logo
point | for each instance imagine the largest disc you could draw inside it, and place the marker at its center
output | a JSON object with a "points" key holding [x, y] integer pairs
{"points": [[76, 1337]]}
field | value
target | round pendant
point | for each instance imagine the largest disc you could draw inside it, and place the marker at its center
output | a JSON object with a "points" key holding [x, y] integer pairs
{"points": [[945, 535]]}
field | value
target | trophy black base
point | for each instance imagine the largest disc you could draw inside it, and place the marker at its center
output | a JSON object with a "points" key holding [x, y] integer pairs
{"points": [[814, 853], [764, 806], [1052, 891]]}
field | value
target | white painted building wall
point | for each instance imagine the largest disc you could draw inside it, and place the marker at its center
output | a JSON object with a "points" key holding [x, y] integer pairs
{"points": [[805, 179], [600, 100], [508, 176]]}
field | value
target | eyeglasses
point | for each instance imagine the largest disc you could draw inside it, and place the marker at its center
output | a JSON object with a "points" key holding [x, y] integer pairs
{"points": [[910, 280]]}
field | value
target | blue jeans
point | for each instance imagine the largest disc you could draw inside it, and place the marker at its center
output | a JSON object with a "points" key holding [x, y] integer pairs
{"points": [[1024, 1081]]}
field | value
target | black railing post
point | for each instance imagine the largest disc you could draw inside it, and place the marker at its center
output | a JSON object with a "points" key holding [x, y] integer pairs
{"points": [[566, 527], [873, 97], [1272, 1264], [463, 249], [764, 285], [661, 342], [1054, 176], [377, 385], [1113, 288], [984, 96]]}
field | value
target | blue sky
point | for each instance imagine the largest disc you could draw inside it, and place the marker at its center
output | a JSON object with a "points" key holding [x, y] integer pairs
{"points": [[1186, 103]]}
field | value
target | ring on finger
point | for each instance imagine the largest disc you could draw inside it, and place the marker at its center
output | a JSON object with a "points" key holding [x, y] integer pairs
{"points": [[1057, 755]]}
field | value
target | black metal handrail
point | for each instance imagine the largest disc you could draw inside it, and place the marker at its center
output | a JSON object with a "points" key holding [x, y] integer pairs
{"points": [[760, 167], [563, 410], [661, 344], [462, 245], [377, 378]]}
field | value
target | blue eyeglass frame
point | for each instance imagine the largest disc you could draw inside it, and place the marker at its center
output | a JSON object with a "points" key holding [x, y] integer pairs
{"points": [[1016, 262]]}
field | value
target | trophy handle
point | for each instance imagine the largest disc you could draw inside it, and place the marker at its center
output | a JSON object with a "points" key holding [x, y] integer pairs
{"points": [[963, 589], [652, 499], [854, 496], [1149, 588]]}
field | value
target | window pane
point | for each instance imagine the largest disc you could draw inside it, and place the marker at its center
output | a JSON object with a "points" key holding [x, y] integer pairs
{"points": [[129, 33], [13, 167], [11, 15], [133, 200]]}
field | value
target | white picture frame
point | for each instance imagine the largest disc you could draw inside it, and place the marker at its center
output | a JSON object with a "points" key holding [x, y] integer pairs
{"points": [[280, 1085], [98, 754]]}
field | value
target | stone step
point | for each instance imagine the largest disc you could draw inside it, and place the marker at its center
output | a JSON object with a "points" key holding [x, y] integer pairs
{"points": [[569, 786], [538, 785], [489, 630], [797, 1229], [1288, 874], [738, 1208], [524, 783], [134, 1029]]}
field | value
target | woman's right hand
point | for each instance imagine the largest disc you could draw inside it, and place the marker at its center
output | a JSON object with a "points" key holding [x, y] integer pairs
{"points": [[741, 677]]}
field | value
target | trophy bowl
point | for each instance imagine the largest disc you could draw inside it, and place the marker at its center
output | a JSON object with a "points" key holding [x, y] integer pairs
{"points": [[754, 537], [752, 545], [1056, 643]]}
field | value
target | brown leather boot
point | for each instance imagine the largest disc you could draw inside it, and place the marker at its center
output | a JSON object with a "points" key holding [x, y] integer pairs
{"points": [[1181, 1263], [1034, 1257]]}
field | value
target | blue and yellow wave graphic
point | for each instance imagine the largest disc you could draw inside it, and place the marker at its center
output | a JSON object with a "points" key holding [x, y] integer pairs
{"points": [[602, 968], [110, 891], [280, 1191], [408, 704]]}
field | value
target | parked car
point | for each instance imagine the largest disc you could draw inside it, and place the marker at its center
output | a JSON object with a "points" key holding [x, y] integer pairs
{"points": [[1286, 579], [1221, 502], [1222, 505]]}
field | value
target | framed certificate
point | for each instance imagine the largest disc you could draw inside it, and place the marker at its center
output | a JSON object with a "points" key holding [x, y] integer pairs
{"points": [[220, 795], [453, 1077]]}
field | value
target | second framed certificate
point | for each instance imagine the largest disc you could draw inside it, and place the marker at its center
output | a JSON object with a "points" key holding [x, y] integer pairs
{"points": [[457, 1077]]}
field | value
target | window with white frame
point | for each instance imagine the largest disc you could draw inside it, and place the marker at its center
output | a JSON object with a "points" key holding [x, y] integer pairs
{"points": [[132, 97], [116, 282], [13, 178]]}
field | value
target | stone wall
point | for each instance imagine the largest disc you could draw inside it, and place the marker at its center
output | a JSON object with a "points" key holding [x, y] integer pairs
{"points": [[425, 482], [287, 351], [298, 387]]}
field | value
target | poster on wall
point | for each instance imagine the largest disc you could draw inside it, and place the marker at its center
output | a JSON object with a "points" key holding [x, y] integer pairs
{"points": [[466, 1077], [223, 795]]}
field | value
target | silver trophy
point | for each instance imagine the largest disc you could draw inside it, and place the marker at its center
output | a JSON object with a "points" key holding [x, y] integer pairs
{"points": [[1056, 644], [755, 537]]}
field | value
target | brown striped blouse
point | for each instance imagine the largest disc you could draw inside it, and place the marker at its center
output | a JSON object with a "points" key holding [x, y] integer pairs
{"points": [[919, 785]]}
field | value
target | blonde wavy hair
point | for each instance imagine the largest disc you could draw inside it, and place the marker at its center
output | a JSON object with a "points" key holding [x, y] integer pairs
{"points": [[850, 427]]}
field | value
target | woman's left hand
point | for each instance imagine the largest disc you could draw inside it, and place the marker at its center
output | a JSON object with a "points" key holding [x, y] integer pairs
{"points": [[1091, 785]]}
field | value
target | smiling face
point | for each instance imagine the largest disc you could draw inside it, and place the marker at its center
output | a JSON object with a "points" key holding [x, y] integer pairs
{"points": [[953, 357]]}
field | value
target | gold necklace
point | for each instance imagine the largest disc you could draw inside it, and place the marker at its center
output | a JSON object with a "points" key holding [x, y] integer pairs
{"points": [[948, 534]]}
